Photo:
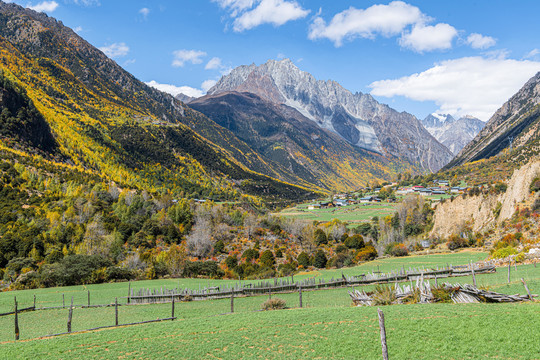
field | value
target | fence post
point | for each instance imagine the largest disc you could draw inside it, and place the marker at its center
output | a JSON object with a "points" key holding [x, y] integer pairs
{"points": [[116, 311], [436, 283], [17, 333], [232, 302], [515, 265], [172, 310], [269, 293], [473, 277], [129, 293], [63, 301], [300, 295], [34, 302], [88, 298], [70, 316], [509, 273], [383, 335], [526, 288]]}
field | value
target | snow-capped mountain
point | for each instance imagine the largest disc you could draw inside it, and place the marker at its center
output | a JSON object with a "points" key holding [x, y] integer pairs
{"points": [[454, 134], [358, 118]]}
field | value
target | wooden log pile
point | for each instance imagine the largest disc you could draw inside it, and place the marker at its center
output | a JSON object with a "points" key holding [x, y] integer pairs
{"points": [[458, 293]]}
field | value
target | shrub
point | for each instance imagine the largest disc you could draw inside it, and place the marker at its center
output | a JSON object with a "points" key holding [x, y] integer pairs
{"points": [[366, 254], [268, 259], [396, 249], [504, 252], [355, 242], [341, 248], [231, 262], [250, 254], [203, 268], [340, 260], [303, 259], [384, 295], [219, 247], [535, 185], [273, 304], [279, 253], [456, 242], [320, 237], [320, 259]]}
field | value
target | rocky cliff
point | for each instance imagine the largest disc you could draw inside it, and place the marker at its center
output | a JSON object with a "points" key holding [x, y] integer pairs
{"points": [[452, 133]]}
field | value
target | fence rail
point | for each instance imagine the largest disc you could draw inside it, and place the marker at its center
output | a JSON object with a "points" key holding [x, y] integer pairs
{"points": [[146, 296]]}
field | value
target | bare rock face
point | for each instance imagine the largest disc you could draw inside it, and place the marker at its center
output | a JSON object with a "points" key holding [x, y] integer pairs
{"points": [[478, 211], [516, 124], [452, 133], [357, 118]]}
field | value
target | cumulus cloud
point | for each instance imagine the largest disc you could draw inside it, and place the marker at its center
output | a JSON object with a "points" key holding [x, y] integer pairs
{"points": [[214, 63], [181, 57], [44, 6], [386, 20], [78, 29], [86, 2], [186, 90], [479, 41], [275, 12], [424, 38], [475, 86], [249, 14], [144, 12], [115, 50]]}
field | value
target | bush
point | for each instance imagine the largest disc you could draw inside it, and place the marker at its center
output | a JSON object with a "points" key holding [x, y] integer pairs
{"points": [[396, 249], [203, 268], [231, 262], [535, 185], [355, 242], [250, 254], [383, 295], [340, 260], [366, 254], [456, 242], [320, 260], [219, 247], [268, 259], [504, 252], [273, 304], [320, 237], [303, 259]]}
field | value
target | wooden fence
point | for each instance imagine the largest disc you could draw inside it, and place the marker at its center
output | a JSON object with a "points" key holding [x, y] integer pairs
{"points": [[149, 296]]}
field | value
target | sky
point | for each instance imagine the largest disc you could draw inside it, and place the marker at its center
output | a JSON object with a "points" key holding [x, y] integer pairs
{"points": [[457, 57]]}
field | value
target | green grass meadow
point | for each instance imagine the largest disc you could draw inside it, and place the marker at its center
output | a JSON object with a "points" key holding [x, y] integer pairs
{"points": [[354, 214], [328, 327]]}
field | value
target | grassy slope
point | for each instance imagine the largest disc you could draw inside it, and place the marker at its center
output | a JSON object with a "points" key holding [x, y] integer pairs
{"points": [[445, 330], [327, 328]]}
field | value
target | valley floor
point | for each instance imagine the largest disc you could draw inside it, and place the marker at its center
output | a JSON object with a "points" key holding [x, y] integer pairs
{"points": [[327, 326]]}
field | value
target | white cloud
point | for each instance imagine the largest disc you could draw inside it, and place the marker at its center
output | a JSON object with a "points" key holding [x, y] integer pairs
{"points": [[78, 29], [386, 20], [214, 63], [175, 90], [276, 12], [429, 38], [44, 6], [86, 2], [144, 12], [235, 6], [206, 85], [479, 41], [115, 50], [475, 86], [181, 57], [532, 54]]}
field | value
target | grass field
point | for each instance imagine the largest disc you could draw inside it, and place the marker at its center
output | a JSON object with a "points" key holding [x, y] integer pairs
{"points": [[327, 327], [354, 214]]}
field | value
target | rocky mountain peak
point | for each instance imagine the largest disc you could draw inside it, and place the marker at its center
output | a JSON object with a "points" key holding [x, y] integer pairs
{"points": [[358, 118]]}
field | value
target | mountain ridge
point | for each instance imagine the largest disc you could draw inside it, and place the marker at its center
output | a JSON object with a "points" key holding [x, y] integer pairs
{"points": [[358, 118]]}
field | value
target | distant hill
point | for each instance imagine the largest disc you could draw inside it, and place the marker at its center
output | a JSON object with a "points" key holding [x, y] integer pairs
{"points": [[452, 133]]}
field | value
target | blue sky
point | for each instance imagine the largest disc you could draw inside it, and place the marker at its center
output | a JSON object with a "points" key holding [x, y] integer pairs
{"points": [[459, 57]]}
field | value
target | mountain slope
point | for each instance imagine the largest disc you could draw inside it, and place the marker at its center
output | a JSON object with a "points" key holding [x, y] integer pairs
{"points": [[357, 118], [284, 136], [452, 133], [516, 124], [105, 120]]}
